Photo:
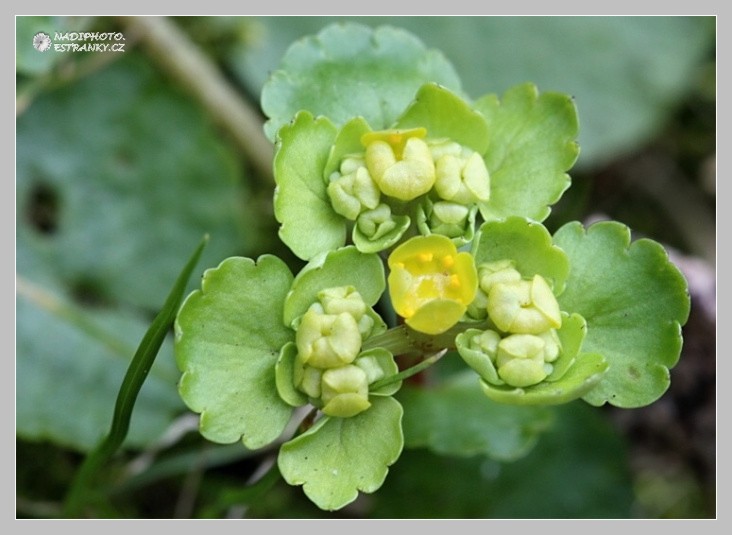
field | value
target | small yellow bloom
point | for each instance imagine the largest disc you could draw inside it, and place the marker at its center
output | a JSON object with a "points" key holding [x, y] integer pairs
{"points": [[430, 283]]}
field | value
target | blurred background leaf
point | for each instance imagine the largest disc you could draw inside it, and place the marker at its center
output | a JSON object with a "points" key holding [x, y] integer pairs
{"points": [[625, 73]]}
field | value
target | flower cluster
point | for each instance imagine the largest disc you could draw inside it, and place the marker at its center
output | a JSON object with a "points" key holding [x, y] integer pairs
{"points": [[373, 188], [524, 315], [536, 316], [329, 366]]}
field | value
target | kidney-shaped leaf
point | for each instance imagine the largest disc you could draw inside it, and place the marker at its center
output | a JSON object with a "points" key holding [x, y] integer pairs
{"points": [[634, 301], [338, 457], [350, 70], [228, 337], [532, 144]]}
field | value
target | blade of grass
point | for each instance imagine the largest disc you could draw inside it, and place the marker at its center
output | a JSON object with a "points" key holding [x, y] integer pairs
{"points": [[131, 385]]}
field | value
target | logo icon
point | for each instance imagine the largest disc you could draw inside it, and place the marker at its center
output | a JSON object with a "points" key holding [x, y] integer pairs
{"points": [[41, 41]]}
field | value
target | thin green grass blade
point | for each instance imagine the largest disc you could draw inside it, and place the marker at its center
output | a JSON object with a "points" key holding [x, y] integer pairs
{"points": [[131, 385]]}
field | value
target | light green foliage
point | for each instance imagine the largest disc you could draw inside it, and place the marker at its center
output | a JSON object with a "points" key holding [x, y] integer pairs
{"points": [[338, 268], [308, 223], [338, 457], [350, 70], [532, 144], [634, 310], [228, 336]]}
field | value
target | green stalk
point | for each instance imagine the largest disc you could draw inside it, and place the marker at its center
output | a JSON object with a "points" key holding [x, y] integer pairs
{"points": [[405, 374], [402, 340], [131, 385]]}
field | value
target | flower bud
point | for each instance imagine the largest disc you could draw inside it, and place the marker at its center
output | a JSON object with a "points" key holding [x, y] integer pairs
{"points": [[345, 391], [486, 342], [308, 379], [346, 299], [524, 306], [352, 192], [376, 223], [520, 360], [461, 176], [449, 219], [496, 272], [342, 299], [327, 340], [400, 162], [552, 345]]}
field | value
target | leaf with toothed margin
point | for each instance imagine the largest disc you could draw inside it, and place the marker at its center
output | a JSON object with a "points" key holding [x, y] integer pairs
{"points": [[338, 457], [635, 302], [350, 70], [528, 244], [343, 267], [308, 223], [532, 144], [228, 337]]}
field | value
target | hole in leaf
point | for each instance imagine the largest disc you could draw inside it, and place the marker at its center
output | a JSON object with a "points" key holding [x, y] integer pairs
{"points": [[43, 208]]}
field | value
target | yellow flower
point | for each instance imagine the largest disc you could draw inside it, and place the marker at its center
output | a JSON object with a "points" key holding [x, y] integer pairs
{"points": [[430, 283]]}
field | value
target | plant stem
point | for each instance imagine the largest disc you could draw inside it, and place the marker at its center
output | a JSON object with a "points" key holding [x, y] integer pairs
{"points": [[405, 374], [402, 340]]}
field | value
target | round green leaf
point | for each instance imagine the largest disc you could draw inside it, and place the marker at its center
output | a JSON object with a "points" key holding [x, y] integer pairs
{"points": [[338, 457], [343, 267], [531, 147], [308, 223], [228, 338], [445, 115], [527, 243], [350, 70], [455, 418], [635, 302]]}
